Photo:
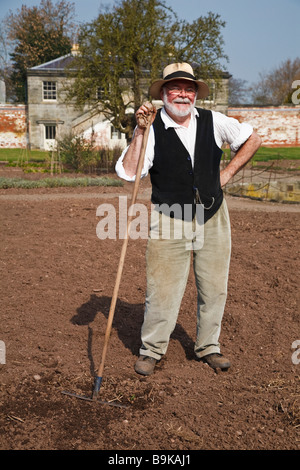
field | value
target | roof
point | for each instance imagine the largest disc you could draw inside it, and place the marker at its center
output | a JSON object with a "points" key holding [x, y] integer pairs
{"points": [[56, 64], [61, 63]]}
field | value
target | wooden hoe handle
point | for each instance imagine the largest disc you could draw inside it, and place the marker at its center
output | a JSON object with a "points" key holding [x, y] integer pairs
{"points": [[122, 259]]}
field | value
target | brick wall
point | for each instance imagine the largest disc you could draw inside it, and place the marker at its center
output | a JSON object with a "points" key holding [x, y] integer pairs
{"points": [[277, 126], [12, 126]]}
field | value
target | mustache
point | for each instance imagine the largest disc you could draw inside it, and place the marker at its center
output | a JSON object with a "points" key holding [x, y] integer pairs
{"points": [[182, 100]]}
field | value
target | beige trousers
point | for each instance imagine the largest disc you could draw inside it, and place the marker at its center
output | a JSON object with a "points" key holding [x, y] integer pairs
{"points": [[170, 246]]}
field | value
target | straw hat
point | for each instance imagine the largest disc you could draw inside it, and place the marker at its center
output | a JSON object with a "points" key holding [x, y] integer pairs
{"points": [[176, 72]]}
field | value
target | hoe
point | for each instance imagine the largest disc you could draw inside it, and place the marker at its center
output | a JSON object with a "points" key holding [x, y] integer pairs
{"points": [[97, 384]]}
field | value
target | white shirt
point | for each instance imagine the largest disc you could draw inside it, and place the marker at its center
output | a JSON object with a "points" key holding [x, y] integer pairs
{"points": [[226, 129]]}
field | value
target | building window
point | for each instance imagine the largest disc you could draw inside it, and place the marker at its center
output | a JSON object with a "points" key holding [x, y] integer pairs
{"points": [[212, 92], [99, 93], [50, 132], [115, 133], [49, 90]]}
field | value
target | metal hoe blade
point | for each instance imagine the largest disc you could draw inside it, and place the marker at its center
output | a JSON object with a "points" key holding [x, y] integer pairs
{"points": [[82, 397]]}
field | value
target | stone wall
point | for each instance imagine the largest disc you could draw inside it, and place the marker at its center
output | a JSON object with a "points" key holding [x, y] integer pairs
{"points": [[52, 112], [13, 126], [65, 116], [277, 126]]}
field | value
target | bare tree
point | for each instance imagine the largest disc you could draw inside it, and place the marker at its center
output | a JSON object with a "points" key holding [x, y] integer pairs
{"points": [[238, 91], [275, 87], [5, 64]]}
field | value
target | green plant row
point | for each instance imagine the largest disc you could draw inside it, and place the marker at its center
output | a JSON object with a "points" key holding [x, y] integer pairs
{"points": [[6, 183]]}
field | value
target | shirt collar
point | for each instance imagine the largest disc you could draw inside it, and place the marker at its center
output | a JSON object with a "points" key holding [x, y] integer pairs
{"points": [[168, 121]]}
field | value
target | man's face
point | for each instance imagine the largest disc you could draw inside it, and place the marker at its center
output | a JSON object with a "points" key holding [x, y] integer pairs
{"points": [[179, 97]]}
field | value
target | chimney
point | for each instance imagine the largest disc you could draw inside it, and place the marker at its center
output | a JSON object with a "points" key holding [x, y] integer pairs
{"points": [[75, 49]]}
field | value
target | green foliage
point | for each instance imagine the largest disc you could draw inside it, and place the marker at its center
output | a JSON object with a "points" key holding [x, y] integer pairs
{"points": [[126, 48], [76, 152], [80, 154], [39, 34]]}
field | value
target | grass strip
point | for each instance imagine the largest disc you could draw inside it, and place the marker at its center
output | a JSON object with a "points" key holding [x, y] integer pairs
{"points": [[265, 154]]}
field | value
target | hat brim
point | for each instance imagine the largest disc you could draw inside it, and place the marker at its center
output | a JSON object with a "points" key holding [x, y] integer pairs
{"points": [[154, 90]]}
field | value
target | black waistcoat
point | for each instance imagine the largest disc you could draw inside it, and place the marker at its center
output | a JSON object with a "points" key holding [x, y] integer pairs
{"points": [[175, 181]]}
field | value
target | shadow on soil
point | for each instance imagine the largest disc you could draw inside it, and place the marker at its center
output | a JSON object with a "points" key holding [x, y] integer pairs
{"points": [[127, 323]]}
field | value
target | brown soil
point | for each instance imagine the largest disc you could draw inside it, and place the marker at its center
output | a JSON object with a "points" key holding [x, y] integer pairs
{"points": [[57, 281]]}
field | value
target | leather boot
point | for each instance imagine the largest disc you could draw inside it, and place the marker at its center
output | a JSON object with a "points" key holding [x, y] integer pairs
{"points": [[216, 361], [145, 365]]}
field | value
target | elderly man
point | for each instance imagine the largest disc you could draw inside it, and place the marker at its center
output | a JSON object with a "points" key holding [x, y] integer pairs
{"points": [[183, 158]]}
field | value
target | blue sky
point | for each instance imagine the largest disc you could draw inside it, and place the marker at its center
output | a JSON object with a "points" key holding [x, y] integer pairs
{"points": [[259, 34]]}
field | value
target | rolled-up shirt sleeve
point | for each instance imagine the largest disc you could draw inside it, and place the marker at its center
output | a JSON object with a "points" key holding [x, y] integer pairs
{"points": [[148, 160], [231, 131], [120, 170]]}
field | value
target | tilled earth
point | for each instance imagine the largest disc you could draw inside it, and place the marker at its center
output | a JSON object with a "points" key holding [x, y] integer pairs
{"points": [[57, 280]]}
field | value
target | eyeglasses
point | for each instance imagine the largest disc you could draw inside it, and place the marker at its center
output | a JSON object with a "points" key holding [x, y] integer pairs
{"points": [[175, 90]]}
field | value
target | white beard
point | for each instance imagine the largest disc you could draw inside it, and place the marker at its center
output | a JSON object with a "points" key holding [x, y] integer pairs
{"points": [[179, 112]]}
